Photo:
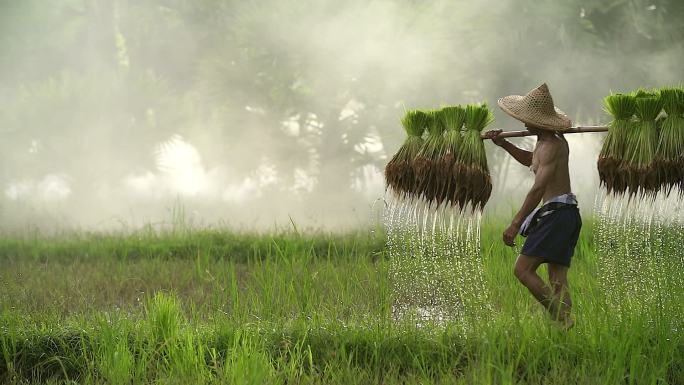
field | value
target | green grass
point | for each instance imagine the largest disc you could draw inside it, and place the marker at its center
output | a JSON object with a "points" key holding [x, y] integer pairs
{"points": [[221, 307]]}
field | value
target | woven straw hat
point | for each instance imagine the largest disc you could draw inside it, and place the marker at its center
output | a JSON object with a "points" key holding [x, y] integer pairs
{"points": [[537, 109]]}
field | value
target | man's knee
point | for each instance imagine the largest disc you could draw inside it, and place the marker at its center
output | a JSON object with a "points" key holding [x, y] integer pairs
{"points": [[525, 267], [521, 273]]}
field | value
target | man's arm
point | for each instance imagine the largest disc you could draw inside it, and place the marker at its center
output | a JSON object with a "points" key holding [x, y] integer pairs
{"points": [[523, 157], [542, 178]]}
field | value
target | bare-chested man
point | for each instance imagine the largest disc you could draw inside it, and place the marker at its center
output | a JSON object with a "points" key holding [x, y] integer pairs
{"points": [[553, 229]]}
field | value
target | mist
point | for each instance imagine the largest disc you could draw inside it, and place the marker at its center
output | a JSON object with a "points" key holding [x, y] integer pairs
{"points": [[258, 115]]}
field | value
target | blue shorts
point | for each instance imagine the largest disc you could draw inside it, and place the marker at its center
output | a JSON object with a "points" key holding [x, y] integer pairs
{"points": [[555, 236]]}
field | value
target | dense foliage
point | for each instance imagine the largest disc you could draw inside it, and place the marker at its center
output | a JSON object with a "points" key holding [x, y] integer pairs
{"points": [[87, 82]]}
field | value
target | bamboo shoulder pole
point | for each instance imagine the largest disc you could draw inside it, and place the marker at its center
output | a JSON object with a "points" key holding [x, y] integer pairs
{"points": [[572, 130]]}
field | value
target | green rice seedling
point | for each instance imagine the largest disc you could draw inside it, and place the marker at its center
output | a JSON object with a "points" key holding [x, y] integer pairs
{"points": [[472, 174], [399, 175], [621, 107], [670, 155], [248, 362], [164, 313], [114, 359], [640, 167], [453, 118], [426, 162]]}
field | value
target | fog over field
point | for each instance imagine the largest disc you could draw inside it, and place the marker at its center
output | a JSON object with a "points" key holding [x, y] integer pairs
{"points": [[255, 114]]}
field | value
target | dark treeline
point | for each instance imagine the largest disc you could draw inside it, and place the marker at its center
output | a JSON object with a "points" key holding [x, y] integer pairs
{"points": [[310, 88]]}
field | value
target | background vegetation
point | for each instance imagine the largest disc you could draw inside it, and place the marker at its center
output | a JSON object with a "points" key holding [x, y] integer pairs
{"points": [[216, 307], [279, 107]]}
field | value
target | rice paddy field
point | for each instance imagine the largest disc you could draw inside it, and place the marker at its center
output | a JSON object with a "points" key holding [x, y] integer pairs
{"points": [[136, 136], [216, 306]]}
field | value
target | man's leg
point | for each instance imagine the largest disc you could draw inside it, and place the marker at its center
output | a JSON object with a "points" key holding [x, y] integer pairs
{"points": [[526, 271], [558, 277]]}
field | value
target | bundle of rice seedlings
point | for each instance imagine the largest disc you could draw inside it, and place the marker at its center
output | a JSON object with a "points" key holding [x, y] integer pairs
{"points": [[399, 176], [474, 184], [622, 108], [452, 118], [640, 167], [425, 165], [670, 158]]}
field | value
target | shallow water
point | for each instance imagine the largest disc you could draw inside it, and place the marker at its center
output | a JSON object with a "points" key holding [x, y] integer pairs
{"points": [[435, 262], [640, 247]]}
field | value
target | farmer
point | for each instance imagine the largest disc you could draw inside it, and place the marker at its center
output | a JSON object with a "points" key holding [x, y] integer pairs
{"points": [[552, 230]]}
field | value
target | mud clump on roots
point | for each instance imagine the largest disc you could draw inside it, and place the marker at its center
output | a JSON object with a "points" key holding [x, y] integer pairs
{"points": [[607, 169], [427, 173], [446, 176], [400, 178]]}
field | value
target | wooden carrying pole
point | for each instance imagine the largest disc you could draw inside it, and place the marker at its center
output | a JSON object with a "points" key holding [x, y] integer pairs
{"points": [[572, 130]]}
